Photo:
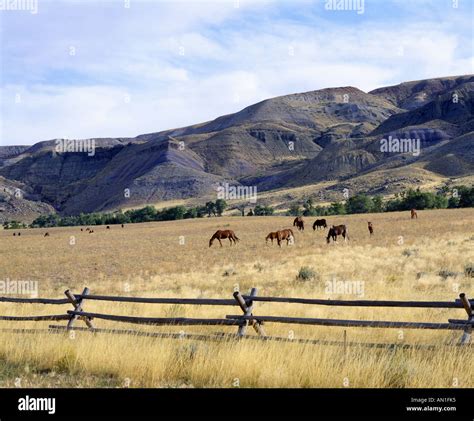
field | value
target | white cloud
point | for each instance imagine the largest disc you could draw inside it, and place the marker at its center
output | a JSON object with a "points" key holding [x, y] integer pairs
{"points": [[233, 57]]}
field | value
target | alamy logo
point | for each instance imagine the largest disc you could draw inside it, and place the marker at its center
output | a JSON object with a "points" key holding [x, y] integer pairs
{"points": [[395, 145], [20, 5], [37, 404], [345, 287], [227, 192], [353, 5], [76, 145], [21, 287]]}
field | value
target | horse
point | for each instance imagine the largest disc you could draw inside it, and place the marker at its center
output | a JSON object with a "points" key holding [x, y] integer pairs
{"points": [[414, 214], [299, 223], [222, 234], [319, 223], [46, 234], [273, 236], [286, 234], [336, 230], [371, 228]]}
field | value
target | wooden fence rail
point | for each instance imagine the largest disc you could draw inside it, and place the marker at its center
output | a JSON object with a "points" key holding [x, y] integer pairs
{"points": [[353, 323], [361, 303], [246, 303]]}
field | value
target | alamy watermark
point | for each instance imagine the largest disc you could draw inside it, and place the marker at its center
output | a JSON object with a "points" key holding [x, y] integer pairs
{"points": [[351, 5], [76, 146], [395, 145], [19, 5], [356, 288], [228, 192], [20, 287]]}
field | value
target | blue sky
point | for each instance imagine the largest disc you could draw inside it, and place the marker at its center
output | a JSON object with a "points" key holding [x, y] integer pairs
{"points": [[81, 69]]}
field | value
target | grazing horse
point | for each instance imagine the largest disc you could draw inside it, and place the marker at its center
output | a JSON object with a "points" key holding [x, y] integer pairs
{"points": [[46, 234], [273, 236], [299, 223], [319, 223], [220, 234], [414, 214], [336, 230], [286, 234], [371, 227]]}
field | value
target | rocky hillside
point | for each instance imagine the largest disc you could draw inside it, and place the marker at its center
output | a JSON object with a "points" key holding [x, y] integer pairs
{"points": [[307, 139]]}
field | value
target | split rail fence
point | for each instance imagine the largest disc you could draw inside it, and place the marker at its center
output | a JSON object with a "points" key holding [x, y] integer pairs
{"points": [[242, 321]]}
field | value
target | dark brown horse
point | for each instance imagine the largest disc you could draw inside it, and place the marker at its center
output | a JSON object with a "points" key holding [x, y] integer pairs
{"points": [[371, 228], [299, 223], [273, 236], [222, 234], [320, 223], [286, 234], [414, 214], [336, 230]]}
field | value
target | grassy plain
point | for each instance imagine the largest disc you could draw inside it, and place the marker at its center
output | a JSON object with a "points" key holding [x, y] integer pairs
{"points": [[423, 259]]}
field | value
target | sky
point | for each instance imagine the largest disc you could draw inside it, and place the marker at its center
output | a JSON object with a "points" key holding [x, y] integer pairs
{"points": [[119, 68]]}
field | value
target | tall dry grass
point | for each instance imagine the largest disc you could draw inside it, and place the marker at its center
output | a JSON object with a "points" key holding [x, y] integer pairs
{"points": [[422, 259]]}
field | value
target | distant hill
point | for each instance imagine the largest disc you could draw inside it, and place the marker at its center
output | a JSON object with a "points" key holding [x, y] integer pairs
{"points": [[325, 140]]}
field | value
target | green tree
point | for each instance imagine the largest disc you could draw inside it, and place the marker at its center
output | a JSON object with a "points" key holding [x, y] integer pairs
{"points": [[211, 209], [360, 203], [337, 208], [295, 210], [221, 206], [377, 204], [466, 197]]}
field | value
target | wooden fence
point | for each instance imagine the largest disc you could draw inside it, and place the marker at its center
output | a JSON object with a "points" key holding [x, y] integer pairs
{"points": [[242, 321]]}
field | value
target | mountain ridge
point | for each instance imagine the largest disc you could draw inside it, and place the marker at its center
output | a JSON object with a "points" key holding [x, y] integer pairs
{"points": [[289, 141]]}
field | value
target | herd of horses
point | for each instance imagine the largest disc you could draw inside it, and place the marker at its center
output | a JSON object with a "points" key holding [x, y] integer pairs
{"points": [[287, 234], [88, 230], [281, 235]]}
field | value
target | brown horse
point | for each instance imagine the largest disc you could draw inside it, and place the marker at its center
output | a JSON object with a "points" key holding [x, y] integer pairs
{"points": [[299, 223], [286, 234], [273, 236], [336, 230], [414, 214], [222, 234], [319, 223], [371, 227]]}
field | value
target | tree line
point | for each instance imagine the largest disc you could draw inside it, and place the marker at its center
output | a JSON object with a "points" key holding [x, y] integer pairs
{"points": [[459, 197]]}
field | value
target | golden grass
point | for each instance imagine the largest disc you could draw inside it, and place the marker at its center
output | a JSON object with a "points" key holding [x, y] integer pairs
{"points": [[173, 259]]}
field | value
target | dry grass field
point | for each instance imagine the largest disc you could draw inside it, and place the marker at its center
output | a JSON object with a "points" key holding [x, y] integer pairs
{"points": [[423, 259]]}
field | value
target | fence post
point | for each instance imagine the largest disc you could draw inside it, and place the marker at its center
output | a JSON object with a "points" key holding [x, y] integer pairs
{"points": [[247, 308], [77, 307], [466, 337]]}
